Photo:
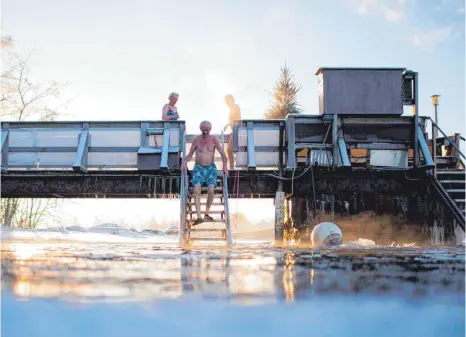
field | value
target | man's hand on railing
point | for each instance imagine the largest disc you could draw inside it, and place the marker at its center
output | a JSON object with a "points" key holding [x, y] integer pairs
{"points": [[183, 166], [225, 170]]}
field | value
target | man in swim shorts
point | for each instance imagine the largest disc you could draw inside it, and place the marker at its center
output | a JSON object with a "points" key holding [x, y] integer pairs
{"points": [[205, 170]]}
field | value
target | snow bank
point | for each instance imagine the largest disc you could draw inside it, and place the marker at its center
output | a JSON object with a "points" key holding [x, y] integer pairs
{"points": [[101, 233]]}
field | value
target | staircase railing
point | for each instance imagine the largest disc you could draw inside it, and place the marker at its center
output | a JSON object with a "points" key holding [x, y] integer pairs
{"points": [[451, 204], [450, 141], [225, 197], [183, 192]]}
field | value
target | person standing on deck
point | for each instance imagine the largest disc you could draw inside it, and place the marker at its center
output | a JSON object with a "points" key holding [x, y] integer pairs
{"points": [[235, 115], [205, 170], [169, 110]]}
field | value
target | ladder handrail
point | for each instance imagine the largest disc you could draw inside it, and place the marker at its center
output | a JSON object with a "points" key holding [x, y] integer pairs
{"points": [[183, 193], [225, 197], [448, 138], [457, 213]]}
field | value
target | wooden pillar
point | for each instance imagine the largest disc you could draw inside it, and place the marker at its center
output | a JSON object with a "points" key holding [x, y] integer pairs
{"points": [[280, 208], [279, 215], [299, 212]]}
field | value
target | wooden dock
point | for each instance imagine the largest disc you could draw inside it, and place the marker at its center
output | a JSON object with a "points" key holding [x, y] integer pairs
{"points": [[373, 150]]}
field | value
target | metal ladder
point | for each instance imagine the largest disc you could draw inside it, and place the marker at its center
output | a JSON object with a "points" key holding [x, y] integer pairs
{"points": [[219, 211]]}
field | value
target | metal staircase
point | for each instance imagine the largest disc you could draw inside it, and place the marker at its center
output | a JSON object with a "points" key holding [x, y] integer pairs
{"points": [[453, 182], [449, 174], [217, 230]]}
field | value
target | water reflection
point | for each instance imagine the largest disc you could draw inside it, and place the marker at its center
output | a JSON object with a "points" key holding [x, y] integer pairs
{"points": [[245, 274]]}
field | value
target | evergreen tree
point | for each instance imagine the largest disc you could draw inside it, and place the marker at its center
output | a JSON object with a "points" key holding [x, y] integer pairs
{"points": [[285, 96]]}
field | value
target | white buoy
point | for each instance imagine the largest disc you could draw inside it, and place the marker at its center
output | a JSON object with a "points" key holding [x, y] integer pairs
{"points": [[326, 233]]}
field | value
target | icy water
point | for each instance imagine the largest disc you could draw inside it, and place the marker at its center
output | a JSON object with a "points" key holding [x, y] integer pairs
{"points": [[75, 288]]}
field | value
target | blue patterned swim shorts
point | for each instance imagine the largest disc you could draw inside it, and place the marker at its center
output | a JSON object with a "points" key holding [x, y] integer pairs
{"points": [[205, 174]]}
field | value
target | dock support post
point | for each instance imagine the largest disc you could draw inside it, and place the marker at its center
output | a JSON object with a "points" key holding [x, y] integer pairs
{"points": [[280, 195], [183, 192], [279, 215], [416, 122], [335, 141]]}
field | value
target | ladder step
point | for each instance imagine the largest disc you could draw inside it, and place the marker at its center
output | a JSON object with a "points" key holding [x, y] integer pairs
{"points": [[207, 239], [450, 172], [452, 181], [460, 200], [194, 229], [210, 221], [192, 204], [191, 211], [204, 196], [455, 190], [219, 178], [205, 189]]}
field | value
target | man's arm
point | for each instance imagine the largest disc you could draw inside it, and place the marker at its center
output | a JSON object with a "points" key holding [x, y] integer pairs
{"points": [[218, 146], [191, 152]]}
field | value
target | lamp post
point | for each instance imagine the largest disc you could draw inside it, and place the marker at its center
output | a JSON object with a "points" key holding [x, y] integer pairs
{"points": [[435, 99]]}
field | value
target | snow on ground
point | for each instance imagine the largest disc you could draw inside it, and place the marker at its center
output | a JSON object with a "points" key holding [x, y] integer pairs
{"points": [[101, 233], [110, 233]]}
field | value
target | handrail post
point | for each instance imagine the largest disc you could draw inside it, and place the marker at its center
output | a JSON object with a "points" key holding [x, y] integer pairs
{"points": [[183, 191], [5, 145], [225, 197], [448, 138], [416, 121], [424, 148], [81, 157], [251, 146], [434, 149], [165, 145]]}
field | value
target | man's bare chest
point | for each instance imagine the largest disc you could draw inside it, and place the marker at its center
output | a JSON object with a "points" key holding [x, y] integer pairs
{"points": [[205, 145]]}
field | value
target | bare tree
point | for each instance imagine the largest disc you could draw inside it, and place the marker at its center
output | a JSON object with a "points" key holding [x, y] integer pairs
{"points": [[285, 96], [23, 99]]}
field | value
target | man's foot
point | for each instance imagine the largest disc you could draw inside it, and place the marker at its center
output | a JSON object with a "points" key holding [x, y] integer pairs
{"points": [[198, 221], [208, 218]]}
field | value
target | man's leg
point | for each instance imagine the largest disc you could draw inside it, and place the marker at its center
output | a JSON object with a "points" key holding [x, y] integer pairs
{"points": [[197, 183], [211, 183], [197, 201], [210, 198]]}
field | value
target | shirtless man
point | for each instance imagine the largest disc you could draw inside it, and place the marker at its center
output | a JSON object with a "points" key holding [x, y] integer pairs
{"points": [[205, 170], [235, 114]]}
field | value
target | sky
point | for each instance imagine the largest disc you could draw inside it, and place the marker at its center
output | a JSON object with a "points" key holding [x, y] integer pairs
{"points": [[122, 58]]}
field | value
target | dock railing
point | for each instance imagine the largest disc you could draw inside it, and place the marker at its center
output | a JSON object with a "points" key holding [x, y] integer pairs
{"points": [[449, 145], [329, 142], [87, 146]]}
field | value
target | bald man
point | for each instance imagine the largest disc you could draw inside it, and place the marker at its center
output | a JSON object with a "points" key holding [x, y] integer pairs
{"points": [[205, 170]]}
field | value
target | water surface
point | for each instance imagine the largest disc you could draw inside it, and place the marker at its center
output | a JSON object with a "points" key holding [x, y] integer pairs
{"points": [[252, 289]]}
